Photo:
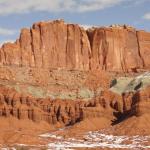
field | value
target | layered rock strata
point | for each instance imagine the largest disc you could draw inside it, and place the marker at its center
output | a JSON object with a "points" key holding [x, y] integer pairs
{"points": [[56, 59], [64, 112], [59, 45]]}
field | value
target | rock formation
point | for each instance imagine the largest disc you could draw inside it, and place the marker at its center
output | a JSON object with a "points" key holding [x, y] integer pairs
{"points": [[49, 45], [62, 74], [115, 49], [59, 45], [142, 102], [65, 112]]}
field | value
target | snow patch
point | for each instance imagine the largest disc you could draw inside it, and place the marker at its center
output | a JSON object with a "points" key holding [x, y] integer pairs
{"points": [[99, 140], [48, 135]]}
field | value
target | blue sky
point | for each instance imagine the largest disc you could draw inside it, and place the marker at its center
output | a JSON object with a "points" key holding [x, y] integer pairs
{"points": [[16, 14]]}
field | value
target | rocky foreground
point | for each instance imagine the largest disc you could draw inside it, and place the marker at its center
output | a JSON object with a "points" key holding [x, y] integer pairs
{"points": [[65, 87]]}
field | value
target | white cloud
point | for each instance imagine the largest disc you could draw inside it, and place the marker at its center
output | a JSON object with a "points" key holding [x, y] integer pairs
{"points": [[8, 7], [139, 2], [5, 32], [92, 5], [147, 16]]}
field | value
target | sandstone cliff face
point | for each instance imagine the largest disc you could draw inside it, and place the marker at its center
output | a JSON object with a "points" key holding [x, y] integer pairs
{"points": [[63, 112], [60, 46], [115, 49], [49, 45], [142, 102], [59, 74], [68, 46], [144, 46]]}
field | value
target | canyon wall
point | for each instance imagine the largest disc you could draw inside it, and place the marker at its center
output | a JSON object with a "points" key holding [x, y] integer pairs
{"points": [[49, 45], [69, 46], [54, 60], [115, 49], [64, 112]]}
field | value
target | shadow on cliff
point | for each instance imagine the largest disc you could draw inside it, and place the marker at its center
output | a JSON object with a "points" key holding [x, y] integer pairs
{"points": [[122, 116]]}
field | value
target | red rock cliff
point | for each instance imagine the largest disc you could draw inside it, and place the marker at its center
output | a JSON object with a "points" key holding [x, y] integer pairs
{"points": [[59, 45], [115, 49], [49, 45]]}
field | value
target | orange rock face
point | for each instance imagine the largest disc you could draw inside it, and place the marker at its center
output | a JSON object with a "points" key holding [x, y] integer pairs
{"points": [[142, 102], [51, 111], [49, 45], [59, 45], [115, 49], [144, 46], [60, 73]]}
